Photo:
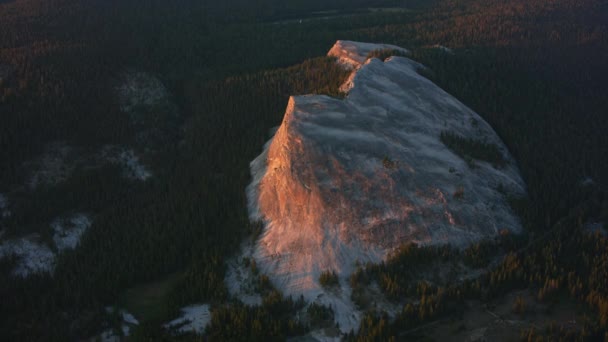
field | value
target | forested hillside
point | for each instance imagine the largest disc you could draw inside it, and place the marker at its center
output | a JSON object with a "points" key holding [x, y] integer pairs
{"points": [[535, 71]]}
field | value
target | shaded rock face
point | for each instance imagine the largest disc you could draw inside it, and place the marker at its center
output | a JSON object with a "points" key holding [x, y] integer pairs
{"points": [[349, 180]]}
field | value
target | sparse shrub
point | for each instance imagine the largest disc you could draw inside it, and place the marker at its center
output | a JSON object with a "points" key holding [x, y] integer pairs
{"points": [[383, 54], [276, 304], [358, 297], [470, 162], [459, 193], [329, 279], [389, 163], [320, 315], [254, 267], [256, 228], [549, 290], [470, 149], [359, 278], [501, 189], [479, 254], [264, 285], [519, 305]]}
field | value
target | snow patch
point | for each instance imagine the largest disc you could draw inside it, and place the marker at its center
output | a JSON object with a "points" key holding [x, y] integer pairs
{"points": [[128, 160], [240, 280], [320, 335], [443, 49], [109, 336], [128, 318], [139, 89], [68, 232], [112, 334], [59, 161], [149, 107], [346, 313], [52, 167], [32, 256], [194, 318]]}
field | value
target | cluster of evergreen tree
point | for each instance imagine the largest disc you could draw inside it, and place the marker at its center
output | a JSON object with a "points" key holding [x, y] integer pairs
{"points": [[539, 83], [329, 278], [383, 54], [469, 149]]}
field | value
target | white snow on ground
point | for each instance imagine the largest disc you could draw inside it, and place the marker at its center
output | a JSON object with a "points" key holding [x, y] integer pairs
{"points": [[140, 89], [34, 256], [52, 167], [59, 160], [150, 108], [240, 280], [128, 160], [194, 318], [128, 318], [345, 311], [133, 165], [319, 335], [111, 334], [128, 321], [68, 232], [108, 336], [349, 180], [444, 49], [31, 256]]}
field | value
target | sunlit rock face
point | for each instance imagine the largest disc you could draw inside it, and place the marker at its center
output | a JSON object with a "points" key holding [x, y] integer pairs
{"points": [[354, 54], [347, 180]]}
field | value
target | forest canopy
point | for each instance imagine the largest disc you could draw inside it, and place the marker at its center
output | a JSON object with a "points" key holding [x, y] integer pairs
{"points": [[535, 71]]}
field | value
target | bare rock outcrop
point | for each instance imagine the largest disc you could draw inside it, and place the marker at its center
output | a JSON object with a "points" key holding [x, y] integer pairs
{"points": [[347, 180]]}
